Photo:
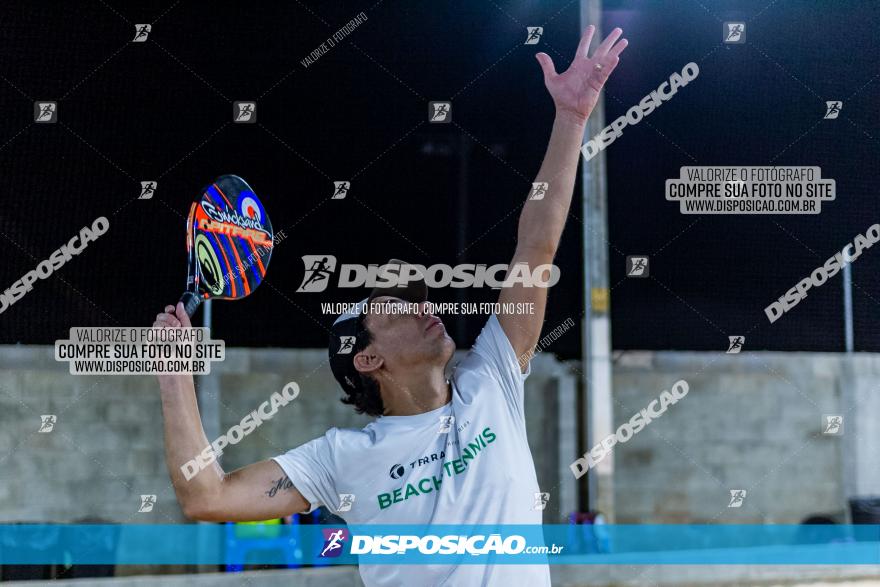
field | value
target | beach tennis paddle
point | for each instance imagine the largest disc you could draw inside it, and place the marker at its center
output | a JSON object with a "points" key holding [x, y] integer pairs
{"points": [[228, 243]]}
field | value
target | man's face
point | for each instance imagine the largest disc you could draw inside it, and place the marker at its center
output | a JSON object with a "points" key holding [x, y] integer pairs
{"points": [[404, 338]]}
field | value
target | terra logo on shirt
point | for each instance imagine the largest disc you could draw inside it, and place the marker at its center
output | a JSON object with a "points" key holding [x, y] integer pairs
{"points": [[432, 483], [397, 470]]}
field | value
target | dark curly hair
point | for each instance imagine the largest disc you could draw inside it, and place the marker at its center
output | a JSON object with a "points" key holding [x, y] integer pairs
{"points": [[367, 399]]}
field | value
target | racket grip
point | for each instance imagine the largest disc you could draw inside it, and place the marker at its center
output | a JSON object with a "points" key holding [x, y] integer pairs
{"points": [[190, 302]]}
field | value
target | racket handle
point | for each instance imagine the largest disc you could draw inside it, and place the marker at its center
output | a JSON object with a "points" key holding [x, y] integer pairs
{"points": [[190, 302]]}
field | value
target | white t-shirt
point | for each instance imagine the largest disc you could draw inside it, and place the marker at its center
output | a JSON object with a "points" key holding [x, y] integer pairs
{"points": [[401, 470]]}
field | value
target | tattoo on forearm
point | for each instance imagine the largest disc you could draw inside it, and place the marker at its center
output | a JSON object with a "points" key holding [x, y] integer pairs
{"points": [[282, 483]]}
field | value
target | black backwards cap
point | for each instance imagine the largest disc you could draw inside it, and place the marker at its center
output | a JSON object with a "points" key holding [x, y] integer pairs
{"points": [[349, 328]]}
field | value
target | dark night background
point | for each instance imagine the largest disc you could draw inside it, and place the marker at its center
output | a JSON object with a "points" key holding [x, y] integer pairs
{"points": [[161, 110]]}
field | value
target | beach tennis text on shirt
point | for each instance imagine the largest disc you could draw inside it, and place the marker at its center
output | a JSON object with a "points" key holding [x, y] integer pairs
{"points": [[450, 469]]}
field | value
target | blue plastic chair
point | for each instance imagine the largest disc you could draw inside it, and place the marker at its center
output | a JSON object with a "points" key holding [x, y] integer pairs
{"points": [[263, 537]]}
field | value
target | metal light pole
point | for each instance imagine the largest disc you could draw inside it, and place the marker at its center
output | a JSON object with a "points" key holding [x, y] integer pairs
{"points": [[848, 395], [596, 326], [847, 304]]}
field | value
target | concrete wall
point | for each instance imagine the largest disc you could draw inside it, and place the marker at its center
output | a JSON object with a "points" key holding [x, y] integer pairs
{"points": [[750, 421], [106, 449]]}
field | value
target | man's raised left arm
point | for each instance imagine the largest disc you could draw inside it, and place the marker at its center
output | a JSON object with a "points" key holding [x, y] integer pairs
{"points": [[575, 93]]}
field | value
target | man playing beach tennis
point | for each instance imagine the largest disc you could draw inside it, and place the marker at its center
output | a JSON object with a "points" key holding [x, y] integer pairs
{"points": [[439, 451]]}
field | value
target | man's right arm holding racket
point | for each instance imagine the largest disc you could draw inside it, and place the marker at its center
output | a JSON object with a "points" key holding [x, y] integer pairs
{"points": [[257, 492]]}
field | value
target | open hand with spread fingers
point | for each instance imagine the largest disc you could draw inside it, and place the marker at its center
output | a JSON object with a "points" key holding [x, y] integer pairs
{"points": [[576, 90]]}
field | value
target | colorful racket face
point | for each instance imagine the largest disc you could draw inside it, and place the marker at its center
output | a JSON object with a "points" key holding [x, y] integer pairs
{"points": [[229, 243]]}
